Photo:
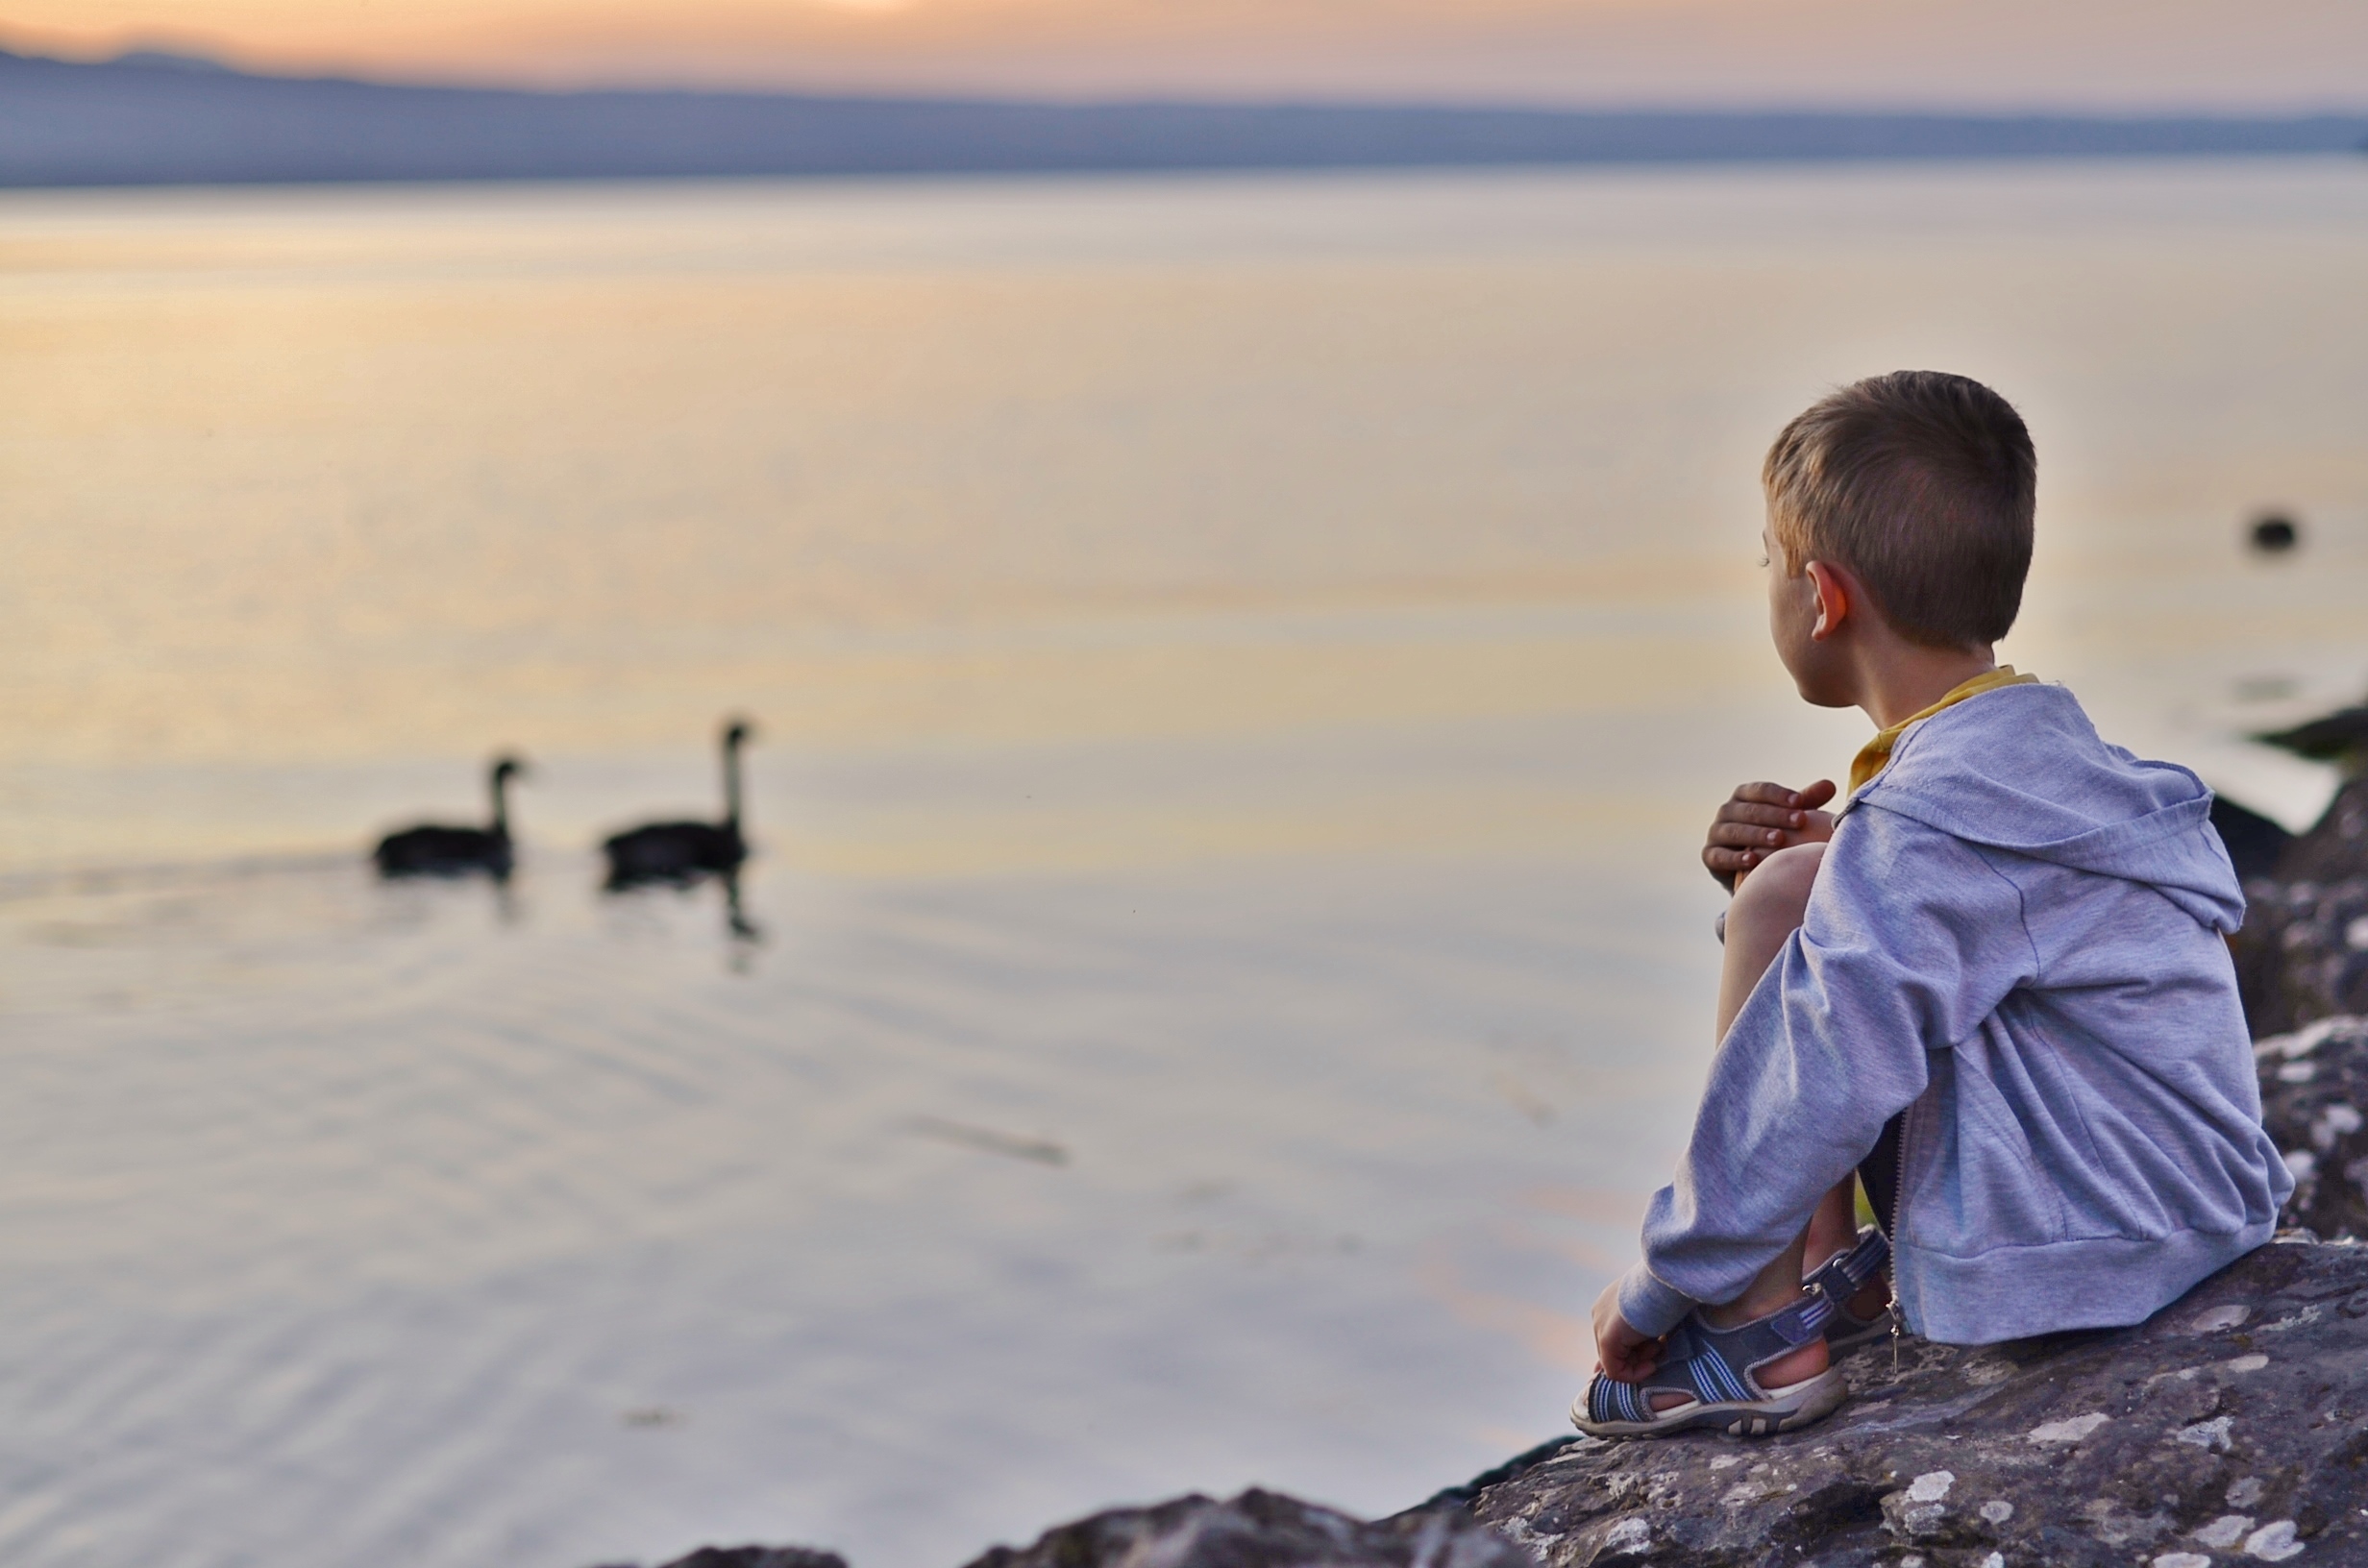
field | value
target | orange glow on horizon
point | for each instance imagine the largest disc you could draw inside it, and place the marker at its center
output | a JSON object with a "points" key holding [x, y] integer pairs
{"points": [[2095, 53]]}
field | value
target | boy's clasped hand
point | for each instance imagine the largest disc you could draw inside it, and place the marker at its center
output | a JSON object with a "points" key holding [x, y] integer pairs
{"points": [[1758, 820]]}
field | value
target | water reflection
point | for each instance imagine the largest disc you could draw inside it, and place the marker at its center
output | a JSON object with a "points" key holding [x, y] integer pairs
{"points": [[740, 929], [1038, 1184]]}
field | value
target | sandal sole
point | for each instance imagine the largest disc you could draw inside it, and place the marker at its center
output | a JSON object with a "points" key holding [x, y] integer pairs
{"points": [[1796, 1406]]}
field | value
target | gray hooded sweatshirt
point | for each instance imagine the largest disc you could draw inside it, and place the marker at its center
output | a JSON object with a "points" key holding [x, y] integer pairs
{"points": [[2016, 938]]}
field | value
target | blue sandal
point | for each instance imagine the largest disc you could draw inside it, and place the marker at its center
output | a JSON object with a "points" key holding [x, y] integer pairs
{"points": [[1716, 1370], [1839, 1279]]}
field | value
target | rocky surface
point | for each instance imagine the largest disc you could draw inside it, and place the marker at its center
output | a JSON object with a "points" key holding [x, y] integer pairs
{"points": [[2303, 960], [2314, 1102], [1264, 1530], [760, 1556], [1256, 1529], [2304, 953], [2233, 1428]]}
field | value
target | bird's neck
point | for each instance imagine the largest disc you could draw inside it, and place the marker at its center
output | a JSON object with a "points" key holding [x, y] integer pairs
{"points": [[501, 805], [732, 788]]}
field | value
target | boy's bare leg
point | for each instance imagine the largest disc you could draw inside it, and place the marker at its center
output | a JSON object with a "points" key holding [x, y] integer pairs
{"points": [[1767, 911]]}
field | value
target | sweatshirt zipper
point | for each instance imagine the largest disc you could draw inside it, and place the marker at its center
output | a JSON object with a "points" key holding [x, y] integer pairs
{"points": [[1899, 1202]]}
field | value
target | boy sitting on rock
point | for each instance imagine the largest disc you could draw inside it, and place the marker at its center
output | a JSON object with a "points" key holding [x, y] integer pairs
{"points": [[1993, 985]]}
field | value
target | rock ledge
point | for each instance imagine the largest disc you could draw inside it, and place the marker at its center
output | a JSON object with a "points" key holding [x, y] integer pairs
{"points": [[2233, 1427]]}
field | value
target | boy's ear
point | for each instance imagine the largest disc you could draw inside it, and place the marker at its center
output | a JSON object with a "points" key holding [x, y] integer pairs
{"points": [[1834, 594]]}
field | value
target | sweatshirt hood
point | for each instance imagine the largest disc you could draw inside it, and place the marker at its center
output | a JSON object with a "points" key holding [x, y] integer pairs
{"points": [[2022, 770]]}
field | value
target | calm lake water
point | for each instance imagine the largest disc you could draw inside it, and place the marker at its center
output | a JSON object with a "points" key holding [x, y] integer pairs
{"points": [[1242, 668]]}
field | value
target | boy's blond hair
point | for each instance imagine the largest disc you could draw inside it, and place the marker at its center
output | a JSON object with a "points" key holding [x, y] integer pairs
{"points": [[1923, 485]]}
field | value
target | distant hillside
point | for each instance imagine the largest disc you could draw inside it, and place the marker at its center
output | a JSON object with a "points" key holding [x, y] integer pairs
{"points": [[160, 119]]}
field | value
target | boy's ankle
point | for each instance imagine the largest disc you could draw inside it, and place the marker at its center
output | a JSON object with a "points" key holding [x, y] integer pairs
{"points": [[1748, 1308], [1824, 1241]]}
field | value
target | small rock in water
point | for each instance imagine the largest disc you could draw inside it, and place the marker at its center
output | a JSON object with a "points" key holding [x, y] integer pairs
{"points": [[2274, 535], [652, 1416]]}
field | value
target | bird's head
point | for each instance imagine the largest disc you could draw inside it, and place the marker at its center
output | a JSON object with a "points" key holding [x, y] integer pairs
{"points": [[738, 732], [508, 767]]}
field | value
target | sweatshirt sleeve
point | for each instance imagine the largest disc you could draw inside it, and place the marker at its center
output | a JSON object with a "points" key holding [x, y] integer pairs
{"points": [[1909, 942]]}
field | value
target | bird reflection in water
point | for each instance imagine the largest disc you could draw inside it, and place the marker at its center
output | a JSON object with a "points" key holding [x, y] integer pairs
{"points": [[679, 854]]}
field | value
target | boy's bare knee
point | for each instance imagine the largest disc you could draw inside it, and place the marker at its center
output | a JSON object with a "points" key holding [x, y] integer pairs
{"points": [[1776, 893]]}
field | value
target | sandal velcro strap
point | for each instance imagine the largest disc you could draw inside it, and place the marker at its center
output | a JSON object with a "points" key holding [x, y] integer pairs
{"points": [[1714, 1366], [1846, 1273], [1733, 1353], [1839, 1279]]}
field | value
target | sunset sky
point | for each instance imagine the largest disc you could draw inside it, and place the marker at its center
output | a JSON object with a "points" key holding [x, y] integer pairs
{"points": [[1977, 53]]}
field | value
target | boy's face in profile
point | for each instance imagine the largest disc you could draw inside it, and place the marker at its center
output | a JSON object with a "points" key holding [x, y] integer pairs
{"points": [[1792, 624]]}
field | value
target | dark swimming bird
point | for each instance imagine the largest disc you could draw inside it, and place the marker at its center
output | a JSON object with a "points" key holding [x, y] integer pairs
{"points": [[432, 850], [682, 852]]}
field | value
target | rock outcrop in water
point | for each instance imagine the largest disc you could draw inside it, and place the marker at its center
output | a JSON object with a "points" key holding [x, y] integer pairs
{"points": [[1264, 1530], [1256, 1529], [760, 1556]]}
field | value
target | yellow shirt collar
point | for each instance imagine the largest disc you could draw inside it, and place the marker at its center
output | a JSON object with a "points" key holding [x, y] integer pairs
{"points": [[1875, 753]]}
